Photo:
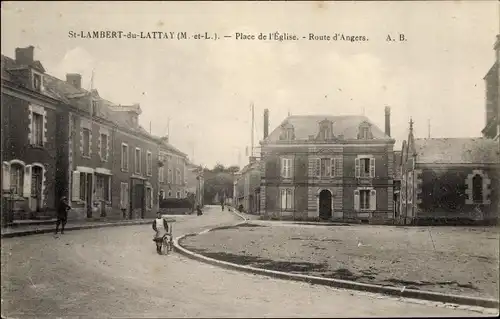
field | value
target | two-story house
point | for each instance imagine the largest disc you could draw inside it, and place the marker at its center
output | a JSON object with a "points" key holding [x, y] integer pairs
{"points": [[194, 182], [29, 130], [327, 167], [172, 171], [135, 165], [247, 186], [449, 180]]}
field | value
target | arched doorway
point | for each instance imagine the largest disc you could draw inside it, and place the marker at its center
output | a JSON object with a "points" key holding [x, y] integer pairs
{"points": [[325, 204]]}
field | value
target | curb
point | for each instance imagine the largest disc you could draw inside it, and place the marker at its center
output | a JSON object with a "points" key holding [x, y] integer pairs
{"points": [[51, 230], [337, 283]]}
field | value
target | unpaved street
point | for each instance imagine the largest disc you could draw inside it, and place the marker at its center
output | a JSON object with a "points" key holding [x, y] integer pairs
{"points": [[115, 272]]}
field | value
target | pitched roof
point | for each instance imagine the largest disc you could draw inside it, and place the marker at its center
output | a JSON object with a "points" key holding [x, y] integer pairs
{"points": [[346, 125], [456, 150]]}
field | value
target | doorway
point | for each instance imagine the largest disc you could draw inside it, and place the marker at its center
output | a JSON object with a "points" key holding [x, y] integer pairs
{"points": [[325, 204], [36, 189], [89, 192]]}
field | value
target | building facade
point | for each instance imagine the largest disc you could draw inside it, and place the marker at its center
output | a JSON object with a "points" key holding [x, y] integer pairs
{"points": [[195, 182], [62, 140], [172, 174], [328, 167], [449, 180], [247, 187], [29, 139]]}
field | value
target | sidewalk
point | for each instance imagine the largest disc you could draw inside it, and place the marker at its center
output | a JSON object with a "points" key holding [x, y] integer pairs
{"points": [[25, 229]]}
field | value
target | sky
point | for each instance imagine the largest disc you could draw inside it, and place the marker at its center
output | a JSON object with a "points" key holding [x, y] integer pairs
{"points": [[206, 87]]}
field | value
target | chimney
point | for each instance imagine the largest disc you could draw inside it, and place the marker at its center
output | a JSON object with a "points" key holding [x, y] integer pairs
{"points": [[25, 56], [266, 123], [74, 79], [388, 121]]}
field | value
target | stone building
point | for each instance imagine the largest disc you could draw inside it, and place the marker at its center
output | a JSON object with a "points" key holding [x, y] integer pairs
{"points": [[247, 187], [173, 171], [29, 139], [492, 99], [195, 182], [449, 180], [60, 139], [328, 167]]}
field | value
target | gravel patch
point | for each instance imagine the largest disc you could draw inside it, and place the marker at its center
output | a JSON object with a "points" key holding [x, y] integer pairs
{"points": [[452, 260]]}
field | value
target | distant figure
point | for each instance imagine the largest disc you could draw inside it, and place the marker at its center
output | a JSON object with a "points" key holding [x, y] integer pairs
{"points": [[198, 210], [222, 204], [62, 214]]}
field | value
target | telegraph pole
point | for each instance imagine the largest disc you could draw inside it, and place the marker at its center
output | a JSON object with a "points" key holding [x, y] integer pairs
{"points": [[253, 129]]}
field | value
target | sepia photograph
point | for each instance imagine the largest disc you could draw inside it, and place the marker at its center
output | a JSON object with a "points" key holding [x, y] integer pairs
{"points": [[263, 159]]}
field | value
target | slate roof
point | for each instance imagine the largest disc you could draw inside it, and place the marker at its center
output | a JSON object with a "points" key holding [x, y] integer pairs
{"points": [[456, 150], [67, 93], [346, 125]]}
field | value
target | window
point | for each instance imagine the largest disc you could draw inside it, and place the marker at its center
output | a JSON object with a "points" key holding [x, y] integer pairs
{"points": [[286, 196], [104, 147], [162, 194], [169, 176], [149, 163], [86, 142], [37, 129], [365, 167], [149, 198], [169, 193], [178, 194], [37, 82], [137, 160], [124, 157], [477, 189], [17, 179], [161, 174], [178, 177], [83, 189], [286, 167], [95, 105], [365, 199], [124, 195], [103, 190], [364, 133]]}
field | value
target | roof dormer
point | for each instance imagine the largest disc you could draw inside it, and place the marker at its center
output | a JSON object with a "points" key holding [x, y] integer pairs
{"points": [[30, 71], [365, 131], [287, 132], [325, 130]]}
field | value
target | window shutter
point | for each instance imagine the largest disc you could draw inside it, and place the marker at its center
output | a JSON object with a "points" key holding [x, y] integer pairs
{"points": [[357, 169], [290, 168], [27, 182], [373, 199], [356, 200], [75, 189], [332, 167], [5, 176], [283, 199], [151, 197], [283, 168], [318, 167], [372, 167]]}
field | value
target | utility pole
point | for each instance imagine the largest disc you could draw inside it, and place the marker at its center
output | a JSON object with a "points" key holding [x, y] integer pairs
{"points": [[149, 127], [253, 129], [429, 128]]}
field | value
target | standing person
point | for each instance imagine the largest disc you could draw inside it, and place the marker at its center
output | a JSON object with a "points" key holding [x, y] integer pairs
{"points": [[222, 203], [160, 226], [62, 214]]}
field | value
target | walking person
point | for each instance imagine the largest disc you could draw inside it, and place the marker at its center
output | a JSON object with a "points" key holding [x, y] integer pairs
{"points": [[160, 226], [62, 214]]}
